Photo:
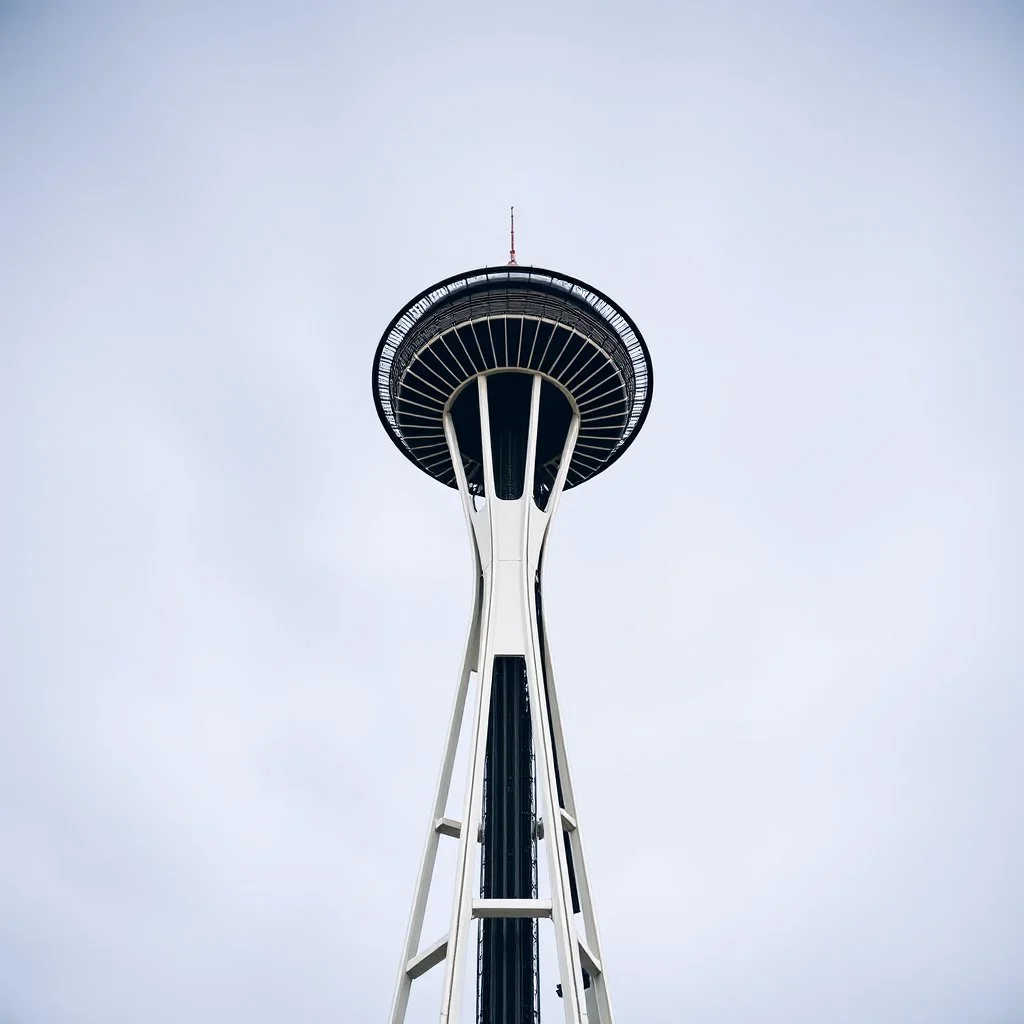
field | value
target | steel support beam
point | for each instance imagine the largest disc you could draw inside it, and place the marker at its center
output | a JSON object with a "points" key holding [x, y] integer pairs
{"points": [[509, 538]]}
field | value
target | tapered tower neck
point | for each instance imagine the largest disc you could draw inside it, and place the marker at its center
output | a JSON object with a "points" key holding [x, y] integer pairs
{"points": [[512, 434], [509, 407]]}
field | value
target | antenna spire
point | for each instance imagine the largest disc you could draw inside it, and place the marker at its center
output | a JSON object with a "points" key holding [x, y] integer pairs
{"points": [[512, 246]]}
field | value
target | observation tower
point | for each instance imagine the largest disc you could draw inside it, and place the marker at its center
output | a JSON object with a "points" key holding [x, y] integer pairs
{"points": [[510, 385]]}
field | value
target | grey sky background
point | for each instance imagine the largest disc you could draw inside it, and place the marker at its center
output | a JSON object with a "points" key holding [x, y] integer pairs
{"points": [[786, 627]]}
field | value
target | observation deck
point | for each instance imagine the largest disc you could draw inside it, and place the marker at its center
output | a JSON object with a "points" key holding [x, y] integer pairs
{"points": [[519, 320]]}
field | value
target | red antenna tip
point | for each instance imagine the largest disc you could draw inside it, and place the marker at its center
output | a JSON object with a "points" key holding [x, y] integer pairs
{"points": [[512, 246]]}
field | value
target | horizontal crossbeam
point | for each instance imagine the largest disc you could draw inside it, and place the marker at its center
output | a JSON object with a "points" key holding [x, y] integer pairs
{"points": [[511, 908], [448, 827]]}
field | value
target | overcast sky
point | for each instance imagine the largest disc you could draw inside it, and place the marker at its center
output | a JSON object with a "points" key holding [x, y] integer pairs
{"points": [[786, 626]]}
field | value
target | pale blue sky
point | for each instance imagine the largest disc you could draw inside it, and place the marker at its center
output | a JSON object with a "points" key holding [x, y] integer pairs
{"points": [[786, 626]]}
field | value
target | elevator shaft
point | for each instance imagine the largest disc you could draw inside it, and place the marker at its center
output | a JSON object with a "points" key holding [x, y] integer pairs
{"points": [[508, 954]]}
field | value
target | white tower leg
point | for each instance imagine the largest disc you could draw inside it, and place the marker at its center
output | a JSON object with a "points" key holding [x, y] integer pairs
{"points": [[509, 539], [414, 964]]}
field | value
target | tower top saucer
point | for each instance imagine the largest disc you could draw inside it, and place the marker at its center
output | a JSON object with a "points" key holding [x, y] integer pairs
{"points": [[512, 319]]}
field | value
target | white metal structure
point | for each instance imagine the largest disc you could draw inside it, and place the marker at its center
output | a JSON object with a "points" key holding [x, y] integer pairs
{"points": [[508, 539], [511, 384]]}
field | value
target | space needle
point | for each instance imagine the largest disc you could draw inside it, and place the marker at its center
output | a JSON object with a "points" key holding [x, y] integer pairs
{"points": [[511, 385]]}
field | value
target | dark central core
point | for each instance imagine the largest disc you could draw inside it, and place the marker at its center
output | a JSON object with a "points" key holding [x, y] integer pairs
{"points": [[508, 982]]}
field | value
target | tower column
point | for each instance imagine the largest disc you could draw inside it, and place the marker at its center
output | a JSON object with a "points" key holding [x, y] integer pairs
{"points": [[510, 385], [516, 739]]}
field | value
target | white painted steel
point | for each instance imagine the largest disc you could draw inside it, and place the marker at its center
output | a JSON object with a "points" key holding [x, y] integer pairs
{"points": [[511, 908], [448, 827], [419, 906], [430, 957], [598, 1002], [509, 540], [590, 962]]}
